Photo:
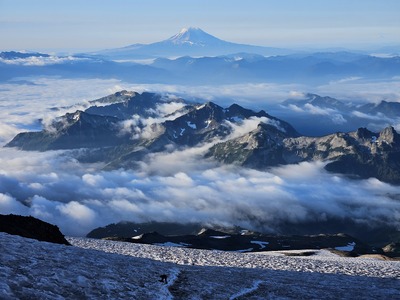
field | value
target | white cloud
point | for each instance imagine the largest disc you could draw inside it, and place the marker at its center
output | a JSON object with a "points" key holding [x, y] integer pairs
{"points": [[22, 105], [41, 60], [8, 205], [295, 108], [330, 113], [378, 117], [175, 185], [78, 212], [363, 90]]}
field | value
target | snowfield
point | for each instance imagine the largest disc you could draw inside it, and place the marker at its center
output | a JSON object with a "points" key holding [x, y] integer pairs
{"points": [[97, 269]]}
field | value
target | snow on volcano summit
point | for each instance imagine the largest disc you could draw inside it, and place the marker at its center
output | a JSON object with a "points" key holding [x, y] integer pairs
{"points": [[194, 36]]}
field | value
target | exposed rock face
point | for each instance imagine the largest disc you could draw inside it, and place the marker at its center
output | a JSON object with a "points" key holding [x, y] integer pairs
{"points": [[74, 130], [260, 148], [31, 227], [130, 103], [101, 129], [392, 248], [209, 121], [97, 127], [231, 239], [361, 153], [130, 229]]}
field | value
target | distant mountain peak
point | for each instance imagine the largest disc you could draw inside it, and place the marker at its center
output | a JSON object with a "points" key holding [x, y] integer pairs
{"points": [[189, 41], [190, 29], [193, 36]]}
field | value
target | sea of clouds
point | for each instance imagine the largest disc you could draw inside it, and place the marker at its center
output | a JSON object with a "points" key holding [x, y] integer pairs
{"points": [[171, 186]]}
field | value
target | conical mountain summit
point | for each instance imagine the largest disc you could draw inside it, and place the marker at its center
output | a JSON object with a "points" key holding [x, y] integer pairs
{"points": [[191, 41]]}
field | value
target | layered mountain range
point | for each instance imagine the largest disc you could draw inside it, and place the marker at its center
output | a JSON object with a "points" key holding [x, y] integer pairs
{"points": [[361, 153], [383, 108], [193, 56], [121, 129], [316, 115]]}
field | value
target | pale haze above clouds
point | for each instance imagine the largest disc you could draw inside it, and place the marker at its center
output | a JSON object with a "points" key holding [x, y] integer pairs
{"points": [[103, 24]]}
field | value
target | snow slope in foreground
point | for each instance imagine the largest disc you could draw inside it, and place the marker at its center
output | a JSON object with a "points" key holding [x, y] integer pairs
{"points": [[39, 270]]}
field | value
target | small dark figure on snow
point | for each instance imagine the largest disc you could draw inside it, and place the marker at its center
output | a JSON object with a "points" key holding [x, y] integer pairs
{"points": [[163, 278]]}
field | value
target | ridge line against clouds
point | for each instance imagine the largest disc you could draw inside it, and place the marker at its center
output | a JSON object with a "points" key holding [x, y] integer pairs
{"points": [[169, 185]]}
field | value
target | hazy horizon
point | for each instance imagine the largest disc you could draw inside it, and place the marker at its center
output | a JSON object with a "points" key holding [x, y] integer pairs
{"points": [[93, 25]]}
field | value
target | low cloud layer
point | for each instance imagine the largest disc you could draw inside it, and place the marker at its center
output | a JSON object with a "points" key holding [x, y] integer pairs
{"points": [[172, 186], [175, 187], [41, 61], [332, 114]]}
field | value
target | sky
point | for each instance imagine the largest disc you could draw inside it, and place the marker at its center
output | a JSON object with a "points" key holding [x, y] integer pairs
{"points": [[99, 24]]}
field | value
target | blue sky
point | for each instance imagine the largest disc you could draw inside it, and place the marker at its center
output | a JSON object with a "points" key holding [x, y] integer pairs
{"points": [[98, 24]]}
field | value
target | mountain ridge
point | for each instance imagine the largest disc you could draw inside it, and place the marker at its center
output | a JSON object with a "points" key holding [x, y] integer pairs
{"points": [[122, 136]]}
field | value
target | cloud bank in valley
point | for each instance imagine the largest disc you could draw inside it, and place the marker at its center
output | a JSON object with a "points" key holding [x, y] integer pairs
{"points": [[41, 60], [172, 186], [175, 187]]}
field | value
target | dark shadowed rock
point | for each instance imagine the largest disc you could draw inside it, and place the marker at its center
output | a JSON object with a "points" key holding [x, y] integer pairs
{"points": [[106, 138], [226, 239], [31, 227]]}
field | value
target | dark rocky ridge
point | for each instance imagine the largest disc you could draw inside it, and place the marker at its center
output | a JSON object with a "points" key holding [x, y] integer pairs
{"points": [[360, 153], [130, 229], [226, 239], [71, 131], [31, 227]]}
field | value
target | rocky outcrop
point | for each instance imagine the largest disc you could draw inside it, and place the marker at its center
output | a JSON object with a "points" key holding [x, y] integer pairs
{"points": [[72, 131], [361, 153], [31, 227], [392, 249], [231, 239], [121, 143]]}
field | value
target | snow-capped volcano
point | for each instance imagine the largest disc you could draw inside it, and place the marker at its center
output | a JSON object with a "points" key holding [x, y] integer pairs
{"points": [[193, 36], [189, 41]]}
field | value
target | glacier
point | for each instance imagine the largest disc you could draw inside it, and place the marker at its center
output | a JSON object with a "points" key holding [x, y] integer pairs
{"points": [[94, 269]]}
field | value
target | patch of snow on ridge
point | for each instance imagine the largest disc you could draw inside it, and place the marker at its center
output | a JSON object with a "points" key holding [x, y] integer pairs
{"points": [[208, 122], [349, 247], [201, 106], [220, 236], [191, 125], [245, 250], [260, 243]]}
